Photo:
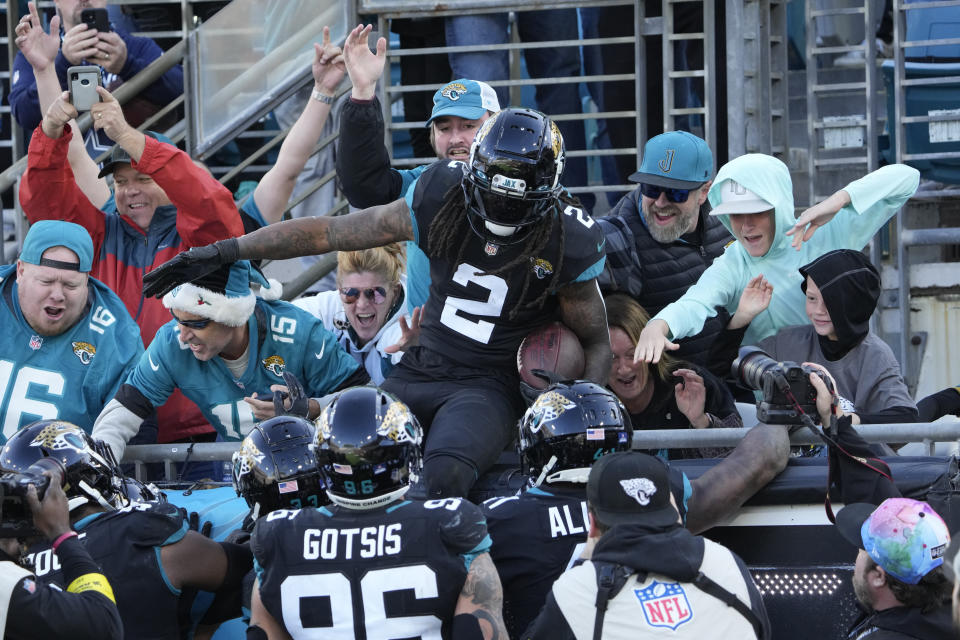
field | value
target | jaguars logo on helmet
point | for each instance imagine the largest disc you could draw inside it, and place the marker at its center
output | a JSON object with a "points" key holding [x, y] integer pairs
{"points": [[569, 427], [275, 365], [57, 436], [85, 351], [396, 424], [247, 457]]}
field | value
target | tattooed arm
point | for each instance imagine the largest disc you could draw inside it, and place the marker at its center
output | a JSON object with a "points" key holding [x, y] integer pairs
{"points": [[373, 227], [720, 492], [581, 309], [482, 597]]}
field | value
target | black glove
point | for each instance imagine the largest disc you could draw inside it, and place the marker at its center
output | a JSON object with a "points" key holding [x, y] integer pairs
{"points": [[190, 265], [193, 523], [299, 402]]}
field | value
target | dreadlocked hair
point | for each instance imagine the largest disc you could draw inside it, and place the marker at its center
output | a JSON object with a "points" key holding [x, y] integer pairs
{"points": [[451, 224]]}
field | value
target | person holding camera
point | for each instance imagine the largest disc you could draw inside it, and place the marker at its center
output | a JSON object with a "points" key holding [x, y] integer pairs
{"points": [[753, 196], [841, 289], [86, 37], [87, 609]]}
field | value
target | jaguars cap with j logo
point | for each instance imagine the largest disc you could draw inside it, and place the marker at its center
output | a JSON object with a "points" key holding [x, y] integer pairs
{"points": [[676, 160], [468, 99], [631, 487]]}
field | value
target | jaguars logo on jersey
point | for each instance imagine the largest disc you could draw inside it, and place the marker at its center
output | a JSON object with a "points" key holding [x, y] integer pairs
{"points": [[245, 459], [275, 365], [58, 436], [85, 351], [453, 91], [541, 268], [397, 425], [549, 406]]}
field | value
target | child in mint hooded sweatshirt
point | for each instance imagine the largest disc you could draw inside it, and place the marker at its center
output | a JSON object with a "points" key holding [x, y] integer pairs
{"points": [[846, 220]]}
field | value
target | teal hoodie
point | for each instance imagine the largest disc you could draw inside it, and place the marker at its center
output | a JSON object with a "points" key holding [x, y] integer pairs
{"points": [[874, 199]]}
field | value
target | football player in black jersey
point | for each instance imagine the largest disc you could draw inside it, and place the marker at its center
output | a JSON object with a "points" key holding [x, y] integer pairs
{"points": [[508, 252], [374, 564], [539, 533], [145, 548]]}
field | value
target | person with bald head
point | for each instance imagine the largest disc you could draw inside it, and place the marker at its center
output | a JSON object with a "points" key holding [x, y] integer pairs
{"points": [[68, 341]]}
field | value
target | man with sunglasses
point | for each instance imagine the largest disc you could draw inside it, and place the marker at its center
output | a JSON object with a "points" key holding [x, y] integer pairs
{"points": [[660, 237], [227, 349]]}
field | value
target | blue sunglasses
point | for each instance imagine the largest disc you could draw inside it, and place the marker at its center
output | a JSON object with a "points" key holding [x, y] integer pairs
{"points": [[192, 324], [675, 196]]}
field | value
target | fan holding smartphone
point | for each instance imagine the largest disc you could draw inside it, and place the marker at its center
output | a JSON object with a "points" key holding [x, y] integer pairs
{"points": [[88, 39]]}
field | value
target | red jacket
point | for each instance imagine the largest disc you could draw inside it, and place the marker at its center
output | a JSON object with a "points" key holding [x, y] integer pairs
{"points": [[203, 211]]}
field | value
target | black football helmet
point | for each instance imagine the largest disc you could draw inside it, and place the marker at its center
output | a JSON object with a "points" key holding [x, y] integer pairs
{"points": [[368, 448], [276, 468], [92, 473], [568, 427], [136, 491], [513, 176]]}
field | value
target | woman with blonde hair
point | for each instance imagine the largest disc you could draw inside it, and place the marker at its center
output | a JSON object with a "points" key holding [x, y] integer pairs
{"points": [[669, 394], [366, 309]]}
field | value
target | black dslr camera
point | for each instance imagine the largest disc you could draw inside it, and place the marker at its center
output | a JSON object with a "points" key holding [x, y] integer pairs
{"points": [[16, 519], [777, 382]]}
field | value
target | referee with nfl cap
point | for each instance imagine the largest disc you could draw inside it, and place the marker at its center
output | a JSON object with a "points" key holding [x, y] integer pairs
{"points": [[898, 577], [643, 574], [660, 236]]}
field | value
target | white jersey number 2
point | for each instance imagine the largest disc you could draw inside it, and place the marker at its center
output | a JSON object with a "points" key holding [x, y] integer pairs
{"points": [[479, 330]]}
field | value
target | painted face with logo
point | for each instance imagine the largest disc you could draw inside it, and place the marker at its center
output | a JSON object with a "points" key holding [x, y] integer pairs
{"points": [[459, 108], [52, 299], [674, 180]]}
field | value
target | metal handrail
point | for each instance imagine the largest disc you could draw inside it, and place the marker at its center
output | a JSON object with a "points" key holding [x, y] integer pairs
{"points": [[926, 432]]}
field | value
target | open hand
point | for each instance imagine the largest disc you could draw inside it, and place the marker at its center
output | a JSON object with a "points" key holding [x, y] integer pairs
{"points": [[754, 299], [363, 66], [691, 397], [653, 341], [37, 46], [409, 333], [817, 216]]}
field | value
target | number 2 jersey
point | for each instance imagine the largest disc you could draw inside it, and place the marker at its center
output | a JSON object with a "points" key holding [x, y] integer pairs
{"points": [[467, 317], [393, 572], [126, 545], [70, 376]]}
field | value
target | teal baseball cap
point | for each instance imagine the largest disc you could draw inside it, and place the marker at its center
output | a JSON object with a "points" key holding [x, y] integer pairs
{"points": [[120, 157], [676, 160], [468, 99], [47, 234]]}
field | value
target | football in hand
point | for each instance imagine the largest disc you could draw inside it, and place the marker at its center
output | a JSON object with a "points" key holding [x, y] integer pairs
{"points": [[552, 347]]}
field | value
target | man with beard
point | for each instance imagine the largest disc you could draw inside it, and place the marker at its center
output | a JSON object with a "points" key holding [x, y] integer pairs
{"points": [[660, 237], [897, 577]]}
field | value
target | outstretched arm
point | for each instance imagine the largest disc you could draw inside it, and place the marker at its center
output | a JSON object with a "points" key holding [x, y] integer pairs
{"points": [[721, 491], [581, 309], [273, 191], [373, 227], [482, 598]]}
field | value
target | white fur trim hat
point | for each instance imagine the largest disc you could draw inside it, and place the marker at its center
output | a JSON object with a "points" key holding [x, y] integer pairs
{"points": [[225, 295]]}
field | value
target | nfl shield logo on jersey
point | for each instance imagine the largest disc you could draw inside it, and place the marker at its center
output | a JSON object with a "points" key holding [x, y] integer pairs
{"points": [[664, 604], [36, 342]]}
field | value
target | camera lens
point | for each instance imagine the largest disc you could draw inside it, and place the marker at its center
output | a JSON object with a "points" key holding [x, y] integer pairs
{"points": [[85, 82], [750, 365]]}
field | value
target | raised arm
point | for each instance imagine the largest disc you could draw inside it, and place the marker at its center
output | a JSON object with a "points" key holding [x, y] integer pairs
{"points": [[482, 598], [373, 227], [40, 49], [273, 191], [581, 309]]}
